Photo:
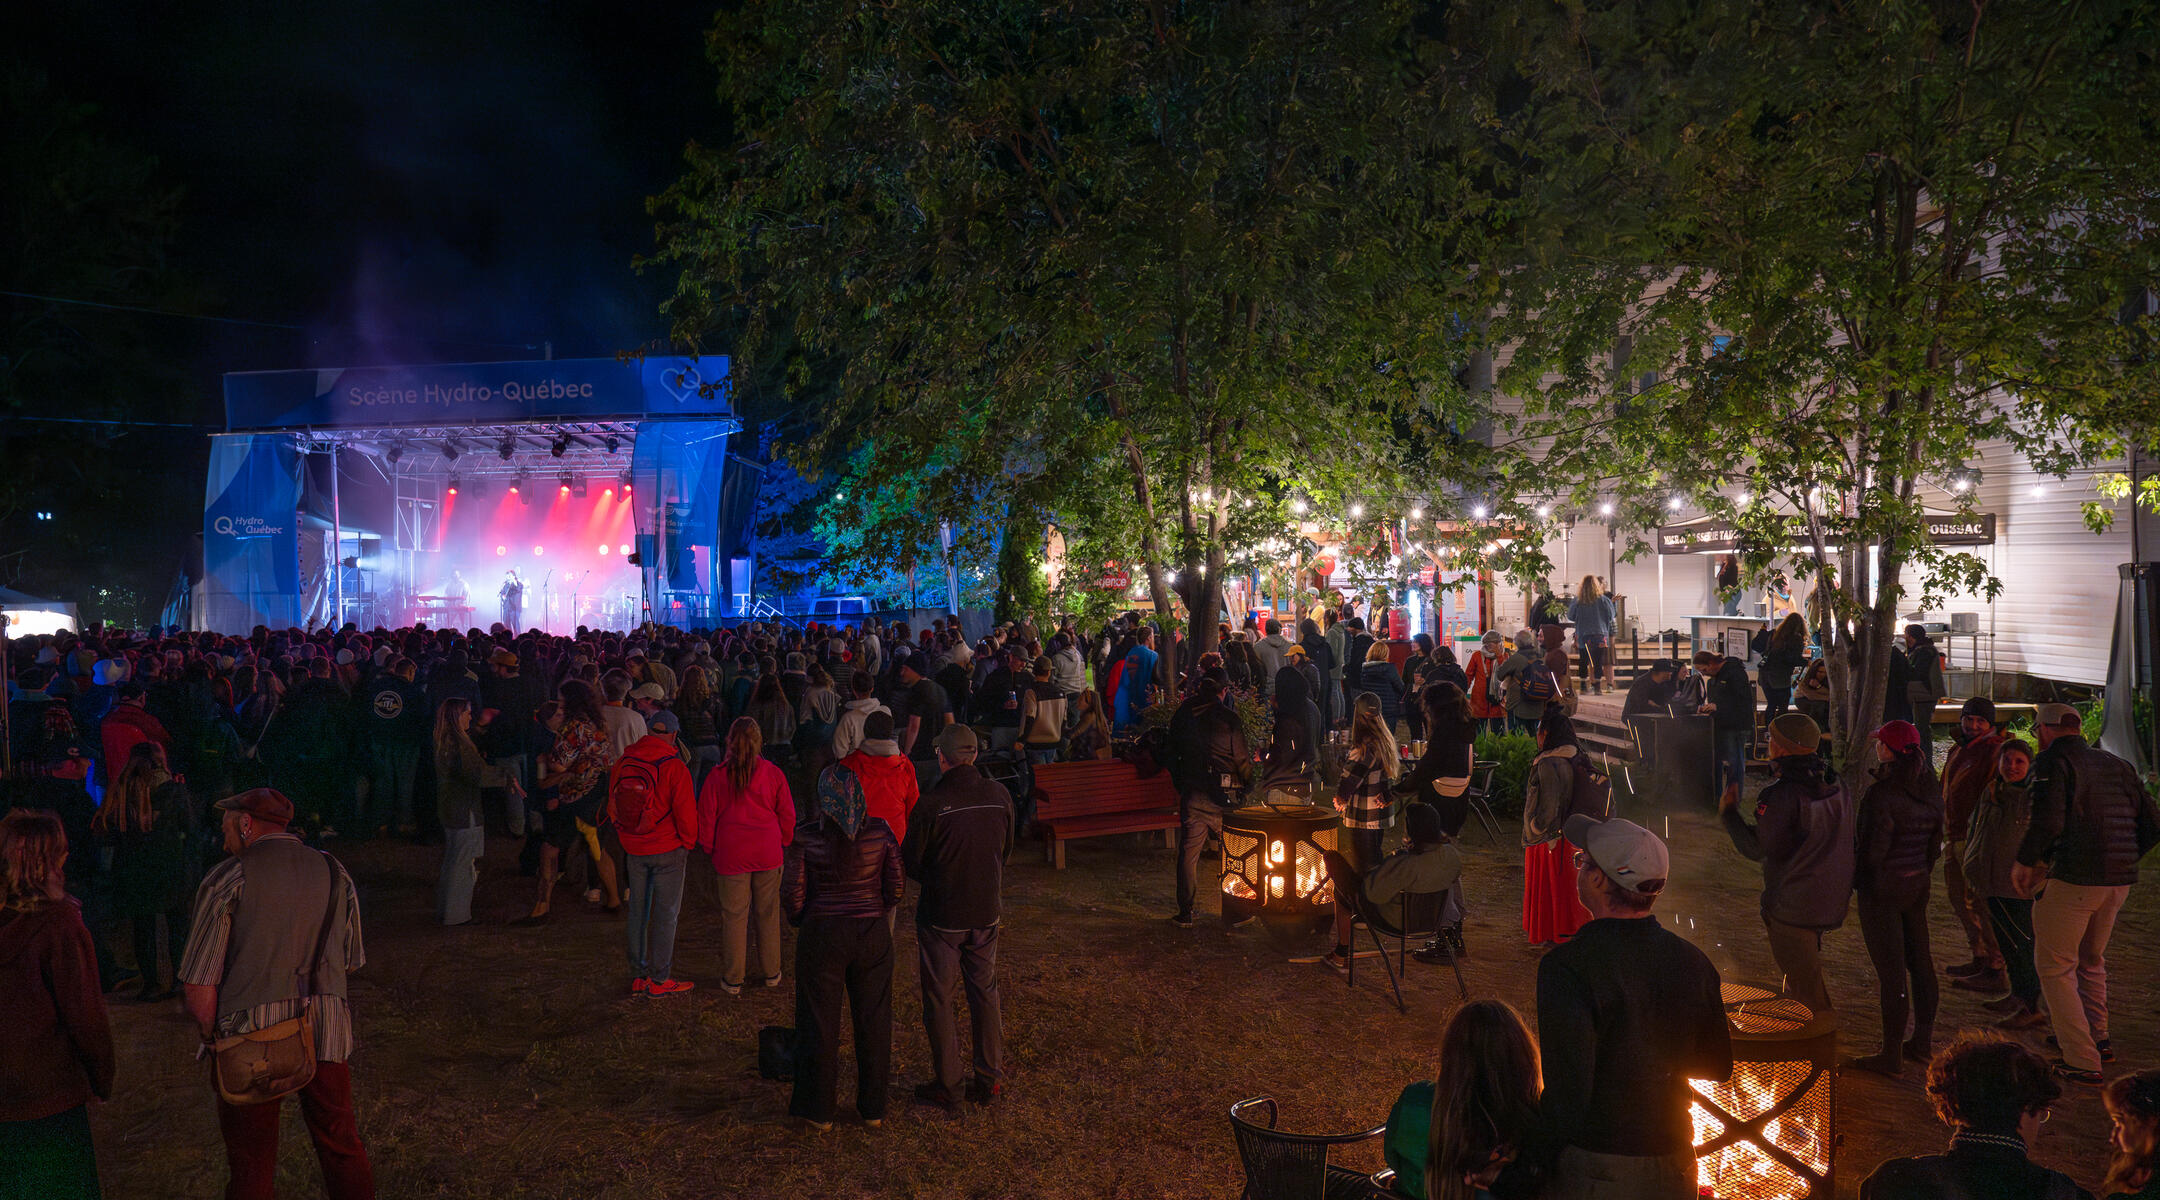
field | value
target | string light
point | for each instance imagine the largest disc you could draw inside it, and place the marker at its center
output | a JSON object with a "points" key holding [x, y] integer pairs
{"points": [[1478, 512], [1417, 514], [1605, 509], [1544, 511], [1356, 511], [1743, 499], [1673, 504], [1298, 506]]}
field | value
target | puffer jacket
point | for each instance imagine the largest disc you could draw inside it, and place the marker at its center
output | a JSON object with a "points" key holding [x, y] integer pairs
{"points": [[1900, 839], [2088, 812], [1383, 681], [1804, 836], [1999, 821], [830, 876]]}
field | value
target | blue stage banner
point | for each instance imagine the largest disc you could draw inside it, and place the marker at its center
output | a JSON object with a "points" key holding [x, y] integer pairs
{"points": [[251, 535], [569, 389]]}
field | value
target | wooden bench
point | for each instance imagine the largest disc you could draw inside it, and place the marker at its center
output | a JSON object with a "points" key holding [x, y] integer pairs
{"points": [[1092, 799]]}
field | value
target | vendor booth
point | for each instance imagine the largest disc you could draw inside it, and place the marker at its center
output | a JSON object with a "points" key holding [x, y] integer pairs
{"points": [[541, 494]]}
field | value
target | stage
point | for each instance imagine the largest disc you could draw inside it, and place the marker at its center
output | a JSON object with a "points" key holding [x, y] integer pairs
{"points": [[545, 495]]}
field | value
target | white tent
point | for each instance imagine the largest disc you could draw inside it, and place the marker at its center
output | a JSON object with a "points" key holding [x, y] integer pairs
{"points": [[28, 616]]}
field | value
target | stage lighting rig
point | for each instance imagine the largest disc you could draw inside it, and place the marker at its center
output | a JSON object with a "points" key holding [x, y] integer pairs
{"points": [[563, 480], [561, 445], [610, 442], [396, 452], [505, 448], [450, 450], [577, 488]]}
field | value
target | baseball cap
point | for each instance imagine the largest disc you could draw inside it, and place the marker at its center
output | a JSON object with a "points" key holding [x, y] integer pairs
{"points": [[647, 691], [1630, 855], [955, 740], [1665, 664], [264, 804], [2053, 715], [662, 722], [503, 658], [1902, 737]]}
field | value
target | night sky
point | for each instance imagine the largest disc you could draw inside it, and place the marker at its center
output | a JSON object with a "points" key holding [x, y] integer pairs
{"points": [[409, 181]]}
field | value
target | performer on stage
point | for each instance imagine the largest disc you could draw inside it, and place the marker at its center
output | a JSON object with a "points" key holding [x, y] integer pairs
{"points": [[513, 599], [456, 591]]}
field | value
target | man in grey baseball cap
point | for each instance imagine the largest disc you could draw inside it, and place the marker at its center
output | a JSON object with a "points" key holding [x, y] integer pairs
{"points": [[1628, 1012]]}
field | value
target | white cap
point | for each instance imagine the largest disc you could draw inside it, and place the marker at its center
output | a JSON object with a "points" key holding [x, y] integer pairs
{"points": [[1630, 855]]}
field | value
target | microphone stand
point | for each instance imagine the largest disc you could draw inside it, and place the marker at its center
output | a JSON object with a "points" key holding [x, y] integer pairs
{"points": [[547, 609]]}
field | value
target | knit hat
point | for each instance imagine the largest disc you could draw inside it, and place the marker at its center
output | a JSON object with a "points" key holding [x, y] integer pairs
{"points": [[1794, 733], [1979, 706], [1901, 736]]}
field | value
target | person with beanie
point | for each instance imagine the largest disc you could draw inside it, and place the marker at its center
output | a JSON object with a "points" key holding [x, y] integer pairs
{"points": [[1804, 836], [1900, 835], [1967, 771]]}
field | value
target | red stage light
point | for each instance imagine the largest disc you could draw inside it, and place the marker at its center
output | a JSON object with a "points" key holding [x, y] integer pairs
{"points": [[501, 550], [565, 489], [537, 550], [607, 491], [453, 491], [603, 548], [513, 489]]}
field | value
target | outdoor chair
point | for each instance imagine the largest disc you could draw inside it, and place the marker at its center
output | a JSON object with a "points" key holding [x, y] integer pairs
{"points": [[1479, 793], [1383, 1185], [1413, 915], [1293, 1166]]}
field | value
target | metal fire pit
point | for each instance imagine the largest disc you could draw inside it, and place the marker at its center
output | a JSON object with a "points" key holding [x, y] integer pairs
{"points": [[1272, 866], [1769, 1132]]}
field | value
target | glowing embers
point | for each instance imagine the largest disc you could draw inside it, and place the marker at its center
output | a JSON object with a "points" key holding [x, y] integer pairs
{"points": [[1273, 864], [1769, 1132]]}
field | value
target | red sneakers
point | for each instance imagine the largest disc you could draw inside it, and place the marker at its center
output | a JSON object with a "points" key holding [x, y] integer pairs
{"points": [[640, 987], [667, 987]]}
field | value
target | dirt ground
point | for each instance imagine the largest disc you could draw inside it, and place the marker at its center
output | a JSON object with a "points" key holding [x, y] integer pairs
{"points": [[496, 1061]]}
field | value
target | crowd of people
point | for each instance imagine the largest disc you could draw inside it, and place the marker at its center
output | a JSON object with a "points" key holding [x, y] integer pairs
{"points": [[188, 784]]}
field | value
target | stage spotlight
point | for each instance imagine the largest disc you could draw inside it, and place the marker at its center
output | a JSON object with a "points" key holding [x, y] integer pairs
{"points": [[623, 549], [603, 547], [506, 448], [501, 550], [539, 550], [454, 481], [562, 444], [610, 442], [397, 451], [563, 481], [624, 480], [450, 450], [577, 488]]}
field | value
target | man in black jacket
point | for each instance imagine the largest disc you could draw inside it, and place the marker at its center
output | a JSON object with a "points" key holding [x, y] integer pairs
{"points": [[1208, 757], [957, 839], [2091, 822], [1628, 1012], [1730, 704]]}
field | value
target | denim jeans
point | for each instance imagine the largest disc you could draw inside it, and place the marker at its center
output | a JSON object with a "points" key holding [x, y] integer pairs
{"points": [[655, 888], [461, 850], [1731, 764], [391, 769], [1199, 818]]}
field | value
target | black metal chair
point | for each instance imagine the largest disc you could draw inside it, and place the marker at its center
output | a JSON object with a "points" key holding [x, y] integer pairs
{"points": [[1479, 793], [1294, 1166], [1415, 915]]}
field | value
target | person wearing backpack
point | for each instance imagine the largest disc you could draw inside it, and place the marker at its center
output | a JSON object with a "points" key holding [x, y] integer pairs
{"points": [[1523, 712], [655, 814], [1561, 783]]}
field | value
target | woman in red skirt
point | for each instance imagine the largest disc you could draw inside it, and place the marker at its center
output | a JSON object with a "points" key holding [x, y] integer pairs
{"points": [[1551, 911]]}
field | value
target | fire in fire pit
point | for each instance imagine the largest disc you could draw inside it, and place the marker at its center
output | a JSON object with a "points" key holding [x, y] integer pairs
{"points": [[1272, 863], [1769, 1132]]}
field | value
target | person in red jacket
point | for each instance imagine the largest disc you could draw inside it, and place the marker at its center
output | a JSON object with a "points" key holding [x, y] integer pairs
{"points": [[127, 724], [655, 813], [58, 1051], [888, 778], [746, 817]]}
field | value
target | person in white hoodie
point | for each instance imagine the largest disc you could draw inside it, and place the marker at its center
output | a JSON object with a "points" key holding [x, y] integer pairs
{"points": [[848, 730]]}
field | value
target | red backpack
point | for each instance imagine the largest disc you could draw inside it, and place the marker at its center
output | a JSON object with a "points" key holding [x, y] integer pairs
{"points": [[634, 797]]}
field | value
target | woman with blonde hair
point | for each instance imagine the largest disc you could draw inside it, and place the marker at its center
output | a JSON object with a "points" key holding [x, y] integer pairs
{"points": [[1595, 619], [1091, 730], [58, 1052], [148, 821], [746, 819], [460, 775], [2133, 1104], [1364, 797], [1461, 1136]]}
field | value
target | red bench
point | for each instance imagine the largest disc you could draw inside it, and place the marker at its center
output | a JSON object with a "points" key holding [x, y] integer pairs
{"points": [[1091, 799]]}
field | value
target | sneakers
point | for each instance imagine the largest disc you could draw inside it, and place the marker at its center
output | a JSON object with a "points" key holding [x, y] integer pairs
{"points": [[641, 987], [1337, 963], [2004, 1005], [771, 981], [2031, 1018], [668, 987], [816, 1126], [1977, 966], [1182, 920], [2065, 1071], [982, 1093], [873, 1122], [1887, 1065], [1989, 982], [592, 895], [2103, 1045], [1434, 951], [732, 989], [934, 1094]]}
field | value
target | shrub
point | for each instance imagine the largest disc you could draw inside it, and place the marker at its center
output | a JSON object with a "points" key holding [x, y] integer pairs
{"points": [[1514, 752]]}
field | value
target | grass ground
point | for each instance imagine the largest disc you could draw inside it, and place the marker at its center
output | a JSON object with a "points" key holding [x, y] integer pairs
{"points": [[508, 1062]]}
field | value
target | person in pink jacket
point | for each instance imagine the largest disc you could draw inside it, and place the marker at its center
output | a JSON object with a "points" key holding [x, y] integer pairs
{"points": [[746, 817]]}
